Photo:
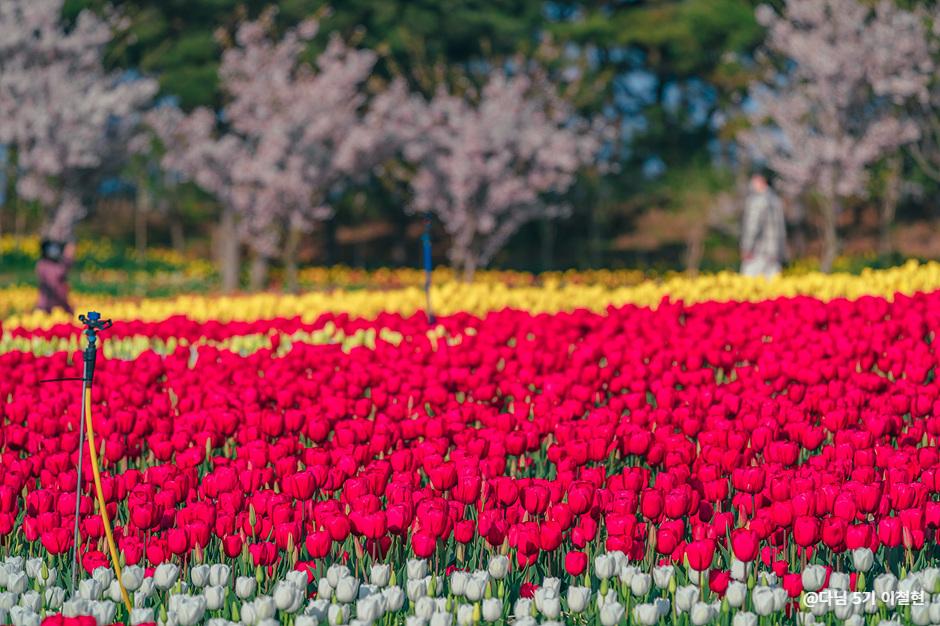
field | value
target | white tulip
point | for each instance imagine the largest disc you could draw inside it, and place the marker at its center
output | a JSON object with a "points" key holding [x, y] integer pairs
{"points": [[911, 584], [641, 584], [627, 572], [701, 613], [686, 596], [522, 608], [143, 592], [551, 606], [662, 606], [416, 589], [611, 614], [805, 619], [492, 609], [863, 559], [317, 609], [528, 620], [164, 576], [843, 610], [414, 620], [199, 574], [8, 600], [215, 596], [424, 607], [265, 607], [219, 574], [54, 597], [839, 580], [324, 589], [33, 567], [132, 576], [284, 596], [380, 574], [31, 600], [442, 619], [645, 614], [17, 582], [249, 614], [814, 577], [347, 589], [394, 598], [103, 575], [74, 608], [780, 598], [554, 584], [885, 586], [739, 570], [245, 587], [114, 591], [192, 610], [458, 583], [104, 613], [763, 600], [476, 586], [934, 608], [744, 618], [89, 589], [142, 616], [304, 620], [335, 572], [465, 615], [604, 566], [768, 579], [417, 568], [920, 614], [440, 605], [366, 590], [854, 620], [663, 575], [736, 594], [337, 614], [578, 598], [270, 621], [498, 566], [819, 609], [369, 609], [21, 616]]}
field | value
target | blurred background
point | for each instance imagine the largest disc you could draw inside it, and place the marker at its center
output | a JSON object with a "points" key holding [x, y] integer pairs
{"points": [[226, 144]]}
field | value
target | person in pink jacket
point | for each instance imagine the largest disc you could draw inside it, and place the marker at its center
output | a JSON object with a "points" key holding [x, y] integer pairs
{"points": [[52, 273]]}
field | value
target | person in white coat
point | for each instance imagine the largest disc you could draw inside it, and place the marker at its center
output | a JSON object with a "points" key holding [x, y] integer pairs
{"points": [[763, 232]]}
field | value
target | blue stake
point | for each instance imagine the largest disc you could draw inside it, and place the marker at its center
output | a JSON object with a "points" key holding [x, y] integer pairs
{"points": [[426, 247]]}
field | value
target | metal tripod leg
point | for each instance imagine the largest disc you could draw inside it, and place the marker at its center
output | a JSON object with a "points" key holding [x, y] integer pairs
{"points": [[78, 494]]}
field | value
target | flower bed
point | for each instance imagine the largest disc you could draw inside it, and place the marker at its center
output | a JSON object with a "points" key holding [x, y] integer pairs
{"points": [[693, 463]]}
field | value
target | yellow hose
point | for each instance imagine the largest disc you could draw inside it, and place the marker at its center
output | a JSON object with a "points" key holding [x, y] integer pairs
{"points": [[101, 503]]}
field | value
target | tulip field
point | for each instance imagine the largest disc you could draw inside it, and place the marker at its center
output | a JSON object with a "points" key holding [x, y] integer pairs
{"points": [[717, 450]]}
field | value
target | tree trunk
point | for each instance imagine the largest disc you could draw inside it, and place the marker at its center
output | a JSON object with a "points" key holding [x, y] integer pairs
{"points": [[830, 234], [177, 234], [258, 274], [291, 247], [547, 247], [140, 228], [228, 251], [889, 206], [695, 249]]}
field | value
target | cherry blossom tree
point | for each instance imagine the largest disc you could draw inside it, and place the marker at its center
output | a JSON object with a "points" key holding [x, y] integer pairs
{"points": [[832, 104], [289, 135], [66, 119], [489, 162]]}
